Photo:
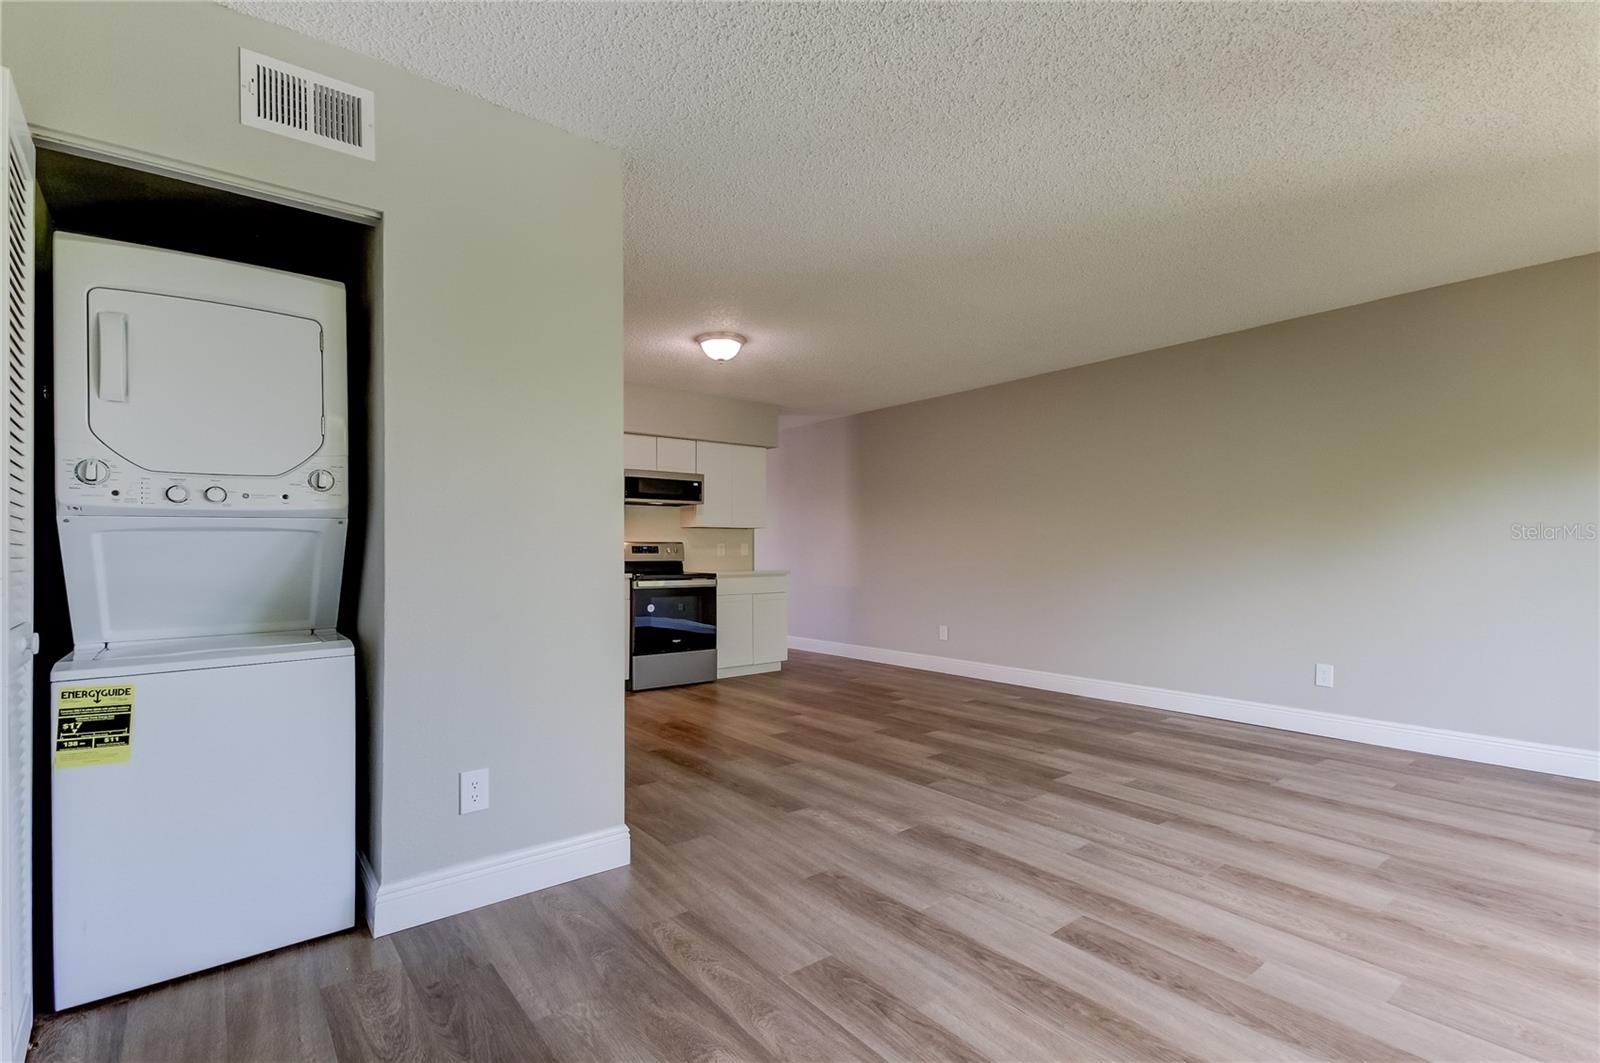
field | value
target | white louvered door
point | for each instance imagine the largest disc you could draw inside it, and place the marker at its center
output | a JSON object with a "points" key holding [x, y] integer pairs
{"points": [[16, 588]]}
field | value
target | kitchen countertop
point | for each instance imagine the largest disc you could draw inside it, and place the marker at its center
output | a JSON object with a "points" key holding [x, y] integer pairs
{"points": [[757, 572]]}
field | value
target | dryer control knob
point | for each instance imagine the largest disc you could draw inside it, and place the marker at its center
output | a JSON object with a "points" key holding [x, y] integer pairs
{"points": [[91, 471], [177, 493], [321, 480], [216, 494]]}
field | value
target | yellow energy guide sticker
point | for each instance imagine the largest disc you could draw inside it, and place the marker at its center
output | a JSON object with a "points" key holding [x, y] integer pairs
{"points": [[94, 724]]}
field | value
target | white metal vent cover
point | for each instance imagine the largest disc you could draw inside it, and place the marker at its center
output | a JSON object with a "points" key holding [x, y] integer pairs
{"points": [[305, 105]]}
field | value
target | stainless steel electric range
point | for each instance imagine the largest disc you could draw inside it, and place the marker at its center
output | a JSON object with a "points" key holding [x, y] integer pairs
{"points": [[672, 618]]}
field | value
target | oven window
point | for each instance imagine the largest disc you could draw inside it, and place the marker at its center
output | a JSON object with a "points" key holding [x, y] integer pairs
{"points": [[668, 620]]}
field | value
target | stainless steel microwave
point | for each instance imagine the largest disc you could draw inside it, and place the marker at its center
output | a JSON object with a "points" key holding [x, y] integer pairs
{"points": [[646, 488]]}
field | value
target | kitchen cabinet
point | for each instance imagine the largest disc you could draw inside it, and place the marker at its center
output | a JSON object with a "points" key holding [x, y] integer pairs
{"points": [[735, 476], [752, 622], [639, 452], [675, 455], [769, 622], [735, 631], [735, 486]]}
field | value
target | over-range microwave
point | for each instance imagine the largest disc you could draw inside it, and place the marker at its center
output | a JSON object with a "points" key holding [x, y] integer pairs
{"points": [[646, 488]]}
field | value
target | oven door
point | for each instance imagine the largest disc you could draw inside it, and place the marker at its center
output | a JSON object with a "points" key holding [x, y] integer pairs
{"points": [[674, 616]]}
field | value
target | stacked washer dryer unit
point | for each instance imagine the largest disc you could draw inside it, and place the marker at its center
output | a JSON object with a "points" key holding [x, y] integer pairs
{"points": [[203, 727]]}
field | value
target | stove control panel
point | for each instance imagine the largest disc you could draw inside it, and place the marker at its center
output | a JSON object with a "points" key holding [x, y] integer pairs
{"points": [[642, 551]]}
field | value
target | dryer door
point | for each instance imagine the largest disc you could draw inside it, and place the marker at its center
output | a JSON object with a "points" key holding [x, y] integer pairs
{"points": [[189, 386]]}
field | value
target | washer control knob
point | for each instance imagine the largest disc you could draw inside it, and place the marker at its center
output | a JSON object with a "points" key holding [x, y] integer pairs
{"points": [[177, 493], [91, 471], [216, 494], [321, 480]]}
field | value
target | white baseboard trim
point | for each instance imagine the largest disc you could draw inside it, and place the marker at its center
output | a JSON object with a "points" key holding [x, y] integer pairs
{"points": [[22, 1028], [736, 670], [392, 906], [1485, 749]]}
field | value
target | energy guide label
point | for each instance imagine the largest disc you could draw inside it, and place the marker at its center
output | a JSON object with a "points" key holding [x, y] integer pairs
{"points": [[94, 724]]}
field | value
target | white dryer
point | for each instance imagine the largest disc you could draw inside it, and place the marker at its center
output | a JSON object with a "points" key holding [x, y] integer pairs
{"points": [[203, 728]]}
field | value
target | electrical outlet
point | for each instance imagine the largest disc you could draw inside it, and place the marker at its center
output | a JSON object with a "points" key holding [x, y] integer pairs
{"points": [[744, 549], [944, 633], [474, 790], [722, 549], [1324, 675]]}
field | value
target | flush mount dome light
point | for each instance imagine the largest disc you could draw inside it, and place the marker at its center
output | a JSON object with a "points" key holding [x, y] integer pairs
{"points": [[720, 346]]}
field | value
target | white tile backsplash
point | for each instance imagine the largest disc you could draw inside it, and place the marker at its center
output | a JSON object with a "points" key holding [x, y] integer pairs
{"points": [[700, 554]]}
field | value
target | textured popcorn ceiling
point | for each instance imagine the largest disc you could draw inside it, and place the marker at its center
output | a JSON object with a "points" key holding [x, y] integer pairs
{"points": [[902, 201]]}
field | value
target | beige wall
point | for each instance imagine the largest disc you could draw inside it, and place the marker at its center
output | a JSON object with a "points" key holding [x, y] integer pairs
{"points": [[499, 345], [1219, 516], [654, 411]]}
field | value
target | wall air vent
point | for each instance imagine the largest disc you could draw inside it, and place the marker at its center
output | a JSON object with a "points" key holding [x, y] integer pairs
{"points": [[298, 103]]}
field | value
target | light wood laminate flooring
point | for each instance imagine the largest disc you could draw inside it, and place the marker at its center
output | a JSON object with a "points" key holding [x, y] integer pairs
{"points": [[848, 861]]}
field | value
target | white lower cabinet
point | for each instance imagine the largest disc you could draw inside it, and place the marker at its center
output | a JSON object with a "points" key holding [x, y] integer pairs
{"points": [[735, 630], [752, 622], [769, 616]]}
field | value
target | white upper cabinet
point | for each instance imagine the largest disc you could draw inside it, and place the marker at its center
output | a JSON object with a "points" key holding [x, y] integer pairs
{"points": [[675, 455], [735, 476], [639, 452], [735, 486]]}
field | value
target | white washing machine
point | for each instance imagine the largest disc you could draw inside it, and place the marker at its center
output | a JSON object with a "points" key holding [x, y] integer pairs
{"points": [[203, 728]]}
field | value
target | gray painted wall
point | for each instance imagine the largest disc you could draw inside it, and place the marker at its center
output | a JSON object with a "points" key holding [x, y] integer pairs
{"points": [[498, 390], [651, 411], [1218, 516]]}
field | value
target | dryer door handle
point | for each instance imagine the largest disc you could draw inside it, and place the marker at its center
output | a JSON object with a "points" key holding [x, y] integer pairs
{"points": [[111, 343]]}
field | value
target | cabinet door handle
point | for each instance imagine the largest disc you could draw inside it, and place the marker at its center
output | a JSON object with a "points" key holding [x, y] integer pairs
{"points": [[111, 343]]}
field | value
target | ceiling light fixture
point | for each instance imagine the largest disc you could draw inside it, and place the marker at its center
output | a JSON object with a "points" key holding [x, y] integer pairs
{"points": [[720, 346]]}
